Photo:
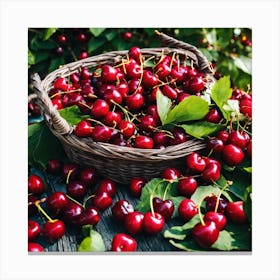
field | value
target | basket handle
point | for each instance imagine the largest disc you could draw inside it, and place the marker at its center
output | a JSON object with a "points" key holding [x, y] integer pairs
{"points": [[59, 124], [203, 63]]}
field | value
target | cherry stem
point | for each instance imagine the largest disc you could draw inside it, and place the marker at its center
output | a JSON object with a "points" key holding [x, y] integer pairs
{"points": [[68, 176], [166, 189], [37, 204], [89, 197], [40, 200], [65, 92], [74, 200], [228, 183]]}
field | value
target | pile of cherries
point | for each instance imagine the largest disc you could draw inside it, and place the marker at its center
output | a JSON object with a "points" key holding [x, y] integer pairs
{"points": [[121, 98]]}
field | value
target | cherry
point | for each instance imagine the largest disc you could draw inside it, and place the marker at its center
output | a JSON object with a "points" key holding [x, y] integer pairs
{"points": [[187, 186], [101, 133], [171, 174], [54, 166], [53, 230], [112, 118], [121, 209], [134, 86], [123, 89], [89, 216], [61, 83], [33, 109], [190, 72], [83, 129], [249, 149], [35, 184], [152, 111], [215, 145], [179, 136], [161, 138], [235, 212], [169, 92], [133, 71], [209, 160], [72, 98], [211, 202], [205, 234], [164, 207], [75, 78], [35, 247], [153, 223], [162, 70], [213, 116], [108, 74], [135, 101], [59, 51], [232, 155], [112, 95], [62, 39], [182, 96], [33, 229], [76, 189], [85, 73], [178, 73], [135, 53], [127, 36], [127, 128], [147, 123], [238, 139], [123, 243], [99, 109], [223, 135], [57, 201], [81, 37], [57, 104], [103, 87], [83, 55], [136, 185], [195, 162], [196, 84], [88, 176], [108, 186], [246, 107], [101, 201], [133, 222], [218, 218], [149, 80], [70, 172], [72, 212], [211, 173], [144, 142], [187, 209]]}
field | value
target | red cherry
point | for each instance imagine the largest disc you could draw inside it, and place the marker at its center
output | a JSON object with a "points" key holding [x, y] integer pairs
{"points": [[61, 83], [162, 70], [83, 129], [127, 36], [211, 173], [85, 73], [123, 243], [101, 201], [70, 172], [205, 234], [123, 89], [164, 207], [33, 229], [35, 184], [196, 84], [57, 201], [179, 136], [147, 123], [112, 95], [53, 230], [144, 142], [136, 185], [126, 128], [218, 218], [71, 213], [112, 118], [215, 145], [178, 73], [88, 176], [133, 222], [57, 104], [35, 247], [62, 39], [161, 138], [135, 101], [238, 139], [149, 80], [246, 107], [211, 202], [135, 53], [223, 135], [54, 166], [108, 186], [134, 86], [89, 216], [187, 209], [153, 223], [169, 92], [171, 174], [101, 134], [213, 116], [152, 111], [108, 74], [32, 209], [195, 162], [187, 186], [235, 212], [233, 155], [100, 109], [76, 189], [121, 209], [249, 149]]}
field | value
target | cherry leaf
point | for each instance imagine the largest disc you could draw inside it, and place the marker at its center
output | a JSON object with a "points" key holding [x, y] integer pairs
{"points": [[163, 106], [72, 114], [92, 243]]}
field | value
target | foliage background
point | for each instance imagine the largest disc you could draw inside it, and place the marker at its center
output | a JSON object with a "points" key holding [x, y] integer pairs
{"points": [[229, 49]]}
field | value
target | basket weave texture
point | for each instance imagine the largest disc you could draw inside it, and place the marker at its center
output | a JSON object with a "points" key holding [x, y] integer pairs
{"points": [[120, 164]]}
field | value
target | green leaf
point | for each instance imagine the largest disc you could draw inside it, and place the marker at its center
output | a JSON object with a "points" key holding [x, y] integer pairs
{"points": [[49, 32], [159, 188], [163, 106], [38, 44], [187, 245], [92, 243], [224, 36], [41, 56], [248, 202], [43, 145], [97, 31], [224, 242], [202, 191], [95, 43], [211, 36], [31, 58], [56, 63], [72, 114], [201, 129], [190, 109], [110, 35], [244, 63], [221, 92]]}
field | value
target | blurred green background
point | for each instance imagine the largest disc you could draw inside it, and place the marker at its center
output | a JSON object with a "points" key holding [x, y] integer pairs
{"points": [[229, 49]]}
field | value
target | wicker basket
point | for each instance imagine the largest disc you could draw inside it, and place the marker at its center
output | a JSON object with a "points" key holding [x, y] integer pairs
{"points": [[121, 164]]}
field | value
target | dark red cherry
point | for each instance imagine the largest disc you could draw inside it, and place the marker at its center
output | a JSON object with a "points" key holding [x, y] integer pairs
{"points": [[161, 138], [71, 213], [179, 136], [135, 53], [211, 173], [32, 209], [187, 186], [57, 201], [211, 202], [35, 247], [218, 218], [144, 142], [108, 74], [162, 70], [112, 118], [35, 184], [136, 185], [187, 209], [113, 96], [76, 189], [232, 155], [223, 135], [101, 133], [147, 123], [101, 201], [53, 230], [195, 162], [108, 186], [83, 129], [89, 216], [170, 92], [34, 229], [238, 139], [61, 83], [121, 209], [133, 222], [235, 212], [246, 107], [88, 176], [70, 172], [149, 80], [57, 104], [123, 243], [215, 145], [196, 84], [54, 166], [100, 109], [213, 116], [171, 174], [123, 89], [135, 101], [153, 223], [164, 207]]}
